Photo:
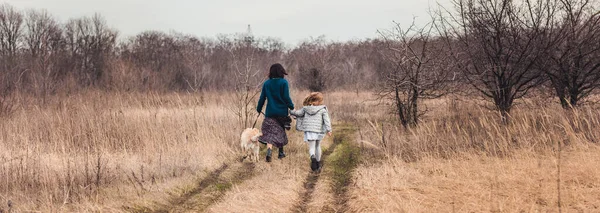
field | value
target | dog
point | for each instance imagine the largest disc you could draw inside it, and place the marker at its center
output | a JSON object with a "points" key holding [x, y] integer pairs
{"points": [[249, 143]]}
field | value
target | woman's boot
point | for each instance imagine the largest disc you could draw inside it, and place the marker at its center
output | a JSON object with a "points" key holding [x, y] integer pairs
{"points": [[268, 154], [281, 153]]}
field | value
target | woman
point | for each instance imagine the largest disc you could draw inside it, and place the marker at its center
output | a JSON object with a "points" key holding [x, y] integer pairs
{"points": [[277, 94]]}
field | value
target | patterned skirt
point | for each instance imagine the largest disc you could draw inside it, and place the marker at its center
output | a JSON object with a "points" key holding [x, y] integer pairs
{"points": [[273, 133]]}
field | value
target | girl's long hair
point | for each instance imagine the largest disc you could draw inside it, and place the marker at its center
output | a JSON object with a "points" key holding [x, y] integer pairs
{"points": [[314, 99]]}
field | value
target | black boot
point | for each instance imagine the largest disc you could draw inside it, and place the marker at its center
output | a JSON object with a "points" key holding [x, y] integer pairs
{"points": [[281, 153], [268, 154], [314, 164], [319, 166]]}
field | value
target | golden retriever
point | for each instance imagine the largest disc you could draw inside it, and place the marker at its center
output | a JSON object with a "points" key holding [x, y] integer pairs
{"points": [[249, 143]]}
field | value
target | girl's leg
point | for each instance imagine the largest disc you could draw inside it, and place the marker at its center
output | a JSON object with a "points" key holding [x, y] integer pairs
{"points": [[317, 147], [314, 163], [311, 148]]}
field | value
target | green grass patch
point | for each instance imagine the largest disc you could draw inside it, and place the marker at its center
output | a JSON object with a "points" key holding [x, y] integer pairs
{"points": [[342, 163], [222, 187]]}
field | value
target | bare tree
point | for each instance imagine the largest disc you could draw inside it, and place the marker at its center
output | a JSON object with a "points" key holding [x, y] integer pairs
{"points": [[45, 45], [158, 56], [194, 54], [91, 45], [498, 44], [11, 31], [416, 69], [574, 68], [352, 73], [316, 62], [171, 61], [246, 74]]}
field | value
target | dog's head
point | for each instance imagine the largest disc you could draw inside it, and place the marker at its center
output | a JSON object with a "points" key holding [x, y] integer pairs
{"points": [[255, 134]]}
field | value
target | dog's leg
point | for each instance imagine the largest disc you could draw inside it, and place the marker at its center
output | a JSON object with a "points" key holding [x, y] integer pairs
{"points": [[252, 153], [249, 153], [256, 149], [245, 153], [256, 155]]}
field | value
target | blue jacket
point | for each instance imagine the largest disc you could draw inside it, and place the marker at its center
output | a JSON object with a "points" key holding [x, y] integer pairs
{"points": [[276, 92]]}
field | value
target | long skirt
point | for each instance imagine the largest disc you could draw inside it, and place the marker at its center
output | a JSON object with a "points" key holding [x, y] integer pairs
{"points": [[273, 133]]}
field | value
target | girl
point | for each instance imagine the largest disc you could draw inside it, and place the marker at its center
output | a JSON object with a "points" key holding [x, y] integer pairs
{"points": [[315, 122]]}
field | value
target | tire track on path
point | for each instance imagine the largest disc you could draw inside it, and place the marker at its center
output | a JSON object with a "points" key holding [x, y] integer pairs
{"points": [[208, 191], [337, 167]]}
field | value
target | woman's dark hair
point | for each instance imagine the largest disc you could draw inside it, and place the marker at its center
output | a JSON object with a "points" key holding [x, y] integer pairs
{"points": [[277, 71]]}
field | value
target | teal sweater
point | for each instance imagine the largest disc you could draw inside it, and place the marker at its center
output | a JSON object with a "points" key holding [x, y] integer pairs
{"points": [[277, 93]]}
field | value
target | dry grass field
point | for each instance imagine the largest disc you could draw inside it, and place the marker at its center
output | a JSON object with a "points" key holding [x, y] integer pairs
{"points": [[106, 152]]}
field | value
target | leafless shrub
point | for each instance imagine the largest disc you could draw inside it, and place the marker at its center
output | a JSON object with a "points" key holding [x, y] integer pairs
{"points": [[574, 62], [246, 75], [498, 44], [415, 68]]}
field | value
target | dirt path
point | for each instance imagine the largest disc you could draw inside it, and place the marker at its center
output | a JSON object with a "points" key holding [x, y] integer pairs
{"points": [[311, 181], [339, 159], [207, 192]]}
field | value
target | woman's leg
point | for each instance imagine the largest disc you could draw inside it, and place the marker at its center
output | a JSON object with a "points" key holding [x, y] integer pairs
{"points": [[281, 153], [269, 150]]}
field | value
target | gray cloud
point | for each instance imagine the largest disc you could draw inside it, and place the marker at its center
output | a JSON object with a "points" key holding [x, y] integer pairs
{"points": [[292, 21]]}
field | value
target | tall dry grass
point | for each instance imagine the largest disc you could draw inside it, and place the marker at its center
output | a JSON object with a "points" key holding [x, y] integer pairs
{"points": [[463, 158], [98, 151], [455, 125], [86, 151]]}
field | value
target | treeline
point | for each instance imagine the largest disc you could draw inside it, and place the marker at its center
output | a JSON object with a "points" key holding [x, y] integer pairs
{"points": [[499, 49], [40, 55]]}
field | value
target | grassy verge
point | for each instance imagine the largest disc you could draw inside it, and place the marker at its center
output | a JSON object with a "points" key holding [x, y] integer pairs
{"points": [[340, 165]]}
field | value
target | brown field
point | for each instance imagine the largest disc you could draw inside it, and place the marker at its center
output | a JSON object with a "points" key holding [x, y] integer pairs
{"points": [[105, 152]]}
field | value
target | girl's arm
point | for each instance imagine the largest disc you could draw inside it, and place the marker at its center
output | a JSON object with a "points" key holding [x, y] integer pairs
{"points": [[327, 121], [298, 113], [261, 100]]}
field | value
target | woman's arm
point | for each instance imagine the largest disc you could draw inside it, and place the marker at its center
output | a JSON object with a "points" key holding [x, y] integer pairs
{"points": [[261, 100], [286, 95]]}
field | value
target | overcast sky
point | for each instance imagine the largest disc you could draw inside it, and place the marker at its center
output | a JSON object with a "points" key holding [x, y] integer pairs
{"points": [[290, 20]]}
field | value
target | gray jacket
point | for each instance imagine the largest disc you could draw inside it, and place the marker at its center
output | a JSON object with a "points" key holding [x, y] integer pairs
{"points": [[312, 119]]}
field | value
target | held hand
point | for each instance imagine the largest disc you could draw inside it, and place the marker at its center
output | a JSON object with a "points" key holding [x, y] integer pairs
{"points": [[330, 134]]}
